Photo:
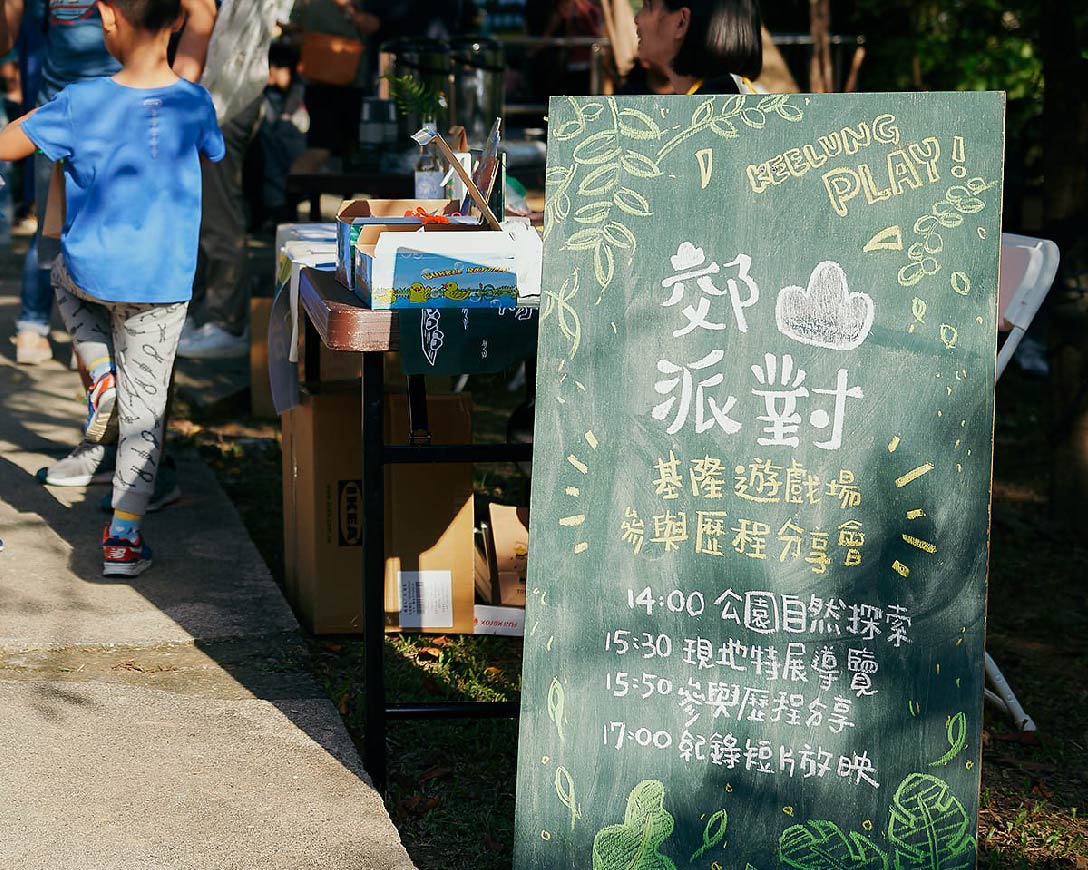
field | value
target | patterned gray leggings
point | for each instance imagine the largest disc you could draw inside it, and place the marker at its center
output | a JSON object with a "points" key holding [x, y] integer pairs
{"points": [[141, 339]]}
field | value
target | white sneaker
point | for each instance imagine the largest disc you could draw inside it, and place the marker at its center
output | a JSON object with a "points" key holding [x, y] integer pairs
{"points": [[188, 328], [86, 464], [211, 341]]}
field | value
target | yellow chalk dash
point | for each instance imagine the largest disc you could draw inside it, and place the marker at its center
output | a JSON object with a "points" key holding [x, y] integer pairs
{"points": [[940, 413], [867, 824], [938, 667], [959, 468], [729, 787], [581, 547], [561, 400], [613, 324], [900, 569], [551, 640], [957, 444], [926, 546], [544, 759], [788, 810], [948, 391], [577, 463], [562, 363], [591, 439], [545, 835], [580, 385], [969, 765], [575, 520], [915, 514], [913, 474], [963, 424], [573, 491], [893, 445]]}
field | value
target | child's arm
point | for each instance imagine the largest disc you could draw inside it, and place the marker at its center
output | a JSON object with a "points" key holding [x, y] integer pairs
{"points": [[14, 143], [193, 45]]}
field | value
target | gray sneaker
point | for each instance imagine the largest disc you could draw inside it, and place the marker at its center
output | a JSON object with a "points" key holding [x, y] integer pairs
{"points": [[86, 464]]}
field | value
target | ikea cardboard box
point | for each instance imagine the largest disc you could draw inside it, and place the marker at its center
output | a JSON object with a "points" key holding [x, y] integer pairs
{"points": [[430, 552], [361, 218], [428, 519]]}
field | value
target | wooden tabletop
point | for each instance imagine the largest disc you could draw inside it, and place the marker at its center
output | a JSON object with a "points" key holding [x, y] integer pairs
{"points": [[340, 317]]}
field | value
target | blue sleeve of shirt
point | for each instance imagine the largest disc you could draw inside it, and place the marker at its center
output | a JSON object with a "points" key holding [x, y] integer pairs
{"points": [[211, 140], [50, 128]]}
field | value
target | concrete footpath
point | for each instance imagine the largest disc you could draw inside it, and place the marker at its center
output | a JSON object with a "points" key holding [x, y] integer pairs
{"points": [[168, 721]]}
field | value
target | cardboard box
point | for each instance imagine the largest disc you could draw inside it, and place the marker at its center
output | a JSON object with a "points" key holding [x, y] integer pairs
{"points": [[509, 553], [432, 269], [260, 387], [499, 620], [428, 519], [359, 218], [482, 573]]}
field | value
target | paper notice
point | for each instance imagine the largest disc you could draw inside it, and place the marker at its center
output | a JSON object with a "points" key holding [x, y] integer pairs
{"points": [[426, 599]]}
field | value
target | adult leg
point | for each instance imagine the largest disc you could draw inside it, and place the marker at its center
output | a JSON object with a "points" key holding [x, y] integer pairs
{"points": [[225, 291], [36, 298]]}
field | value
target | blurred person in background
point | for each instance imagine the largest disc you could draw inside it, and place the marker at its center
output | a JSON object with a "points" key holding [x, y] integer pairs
{"points": [[335, 40], [282, 134], [217, 326], [702, 46]]}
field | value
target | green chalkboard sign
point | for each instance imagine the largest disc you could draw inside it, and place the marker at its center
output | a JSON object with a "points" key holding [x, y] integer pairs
{"points": [[761, 485]]}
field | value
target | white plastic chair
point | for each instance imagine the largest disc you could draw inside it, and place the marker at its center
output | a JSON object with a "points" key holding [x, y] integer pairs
{"points": [[1028, 266]]}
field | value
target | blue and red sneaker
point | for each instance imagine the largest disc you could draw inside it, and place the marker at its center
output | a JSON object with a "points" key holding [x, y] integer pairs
{"points": [[122, 557], [101, 400]]}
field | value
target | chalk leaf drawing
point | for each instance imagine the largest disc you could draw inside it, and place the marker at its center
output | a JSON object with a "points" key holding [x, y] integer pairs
{"points": [[826, 313], [822, 845], [929, 827], [634, 844]]}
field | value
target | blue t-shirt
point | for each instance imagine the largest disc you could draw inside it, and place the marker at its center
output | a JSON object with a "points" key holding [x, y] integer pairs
{"points": [[132, 174], [74, 48]]}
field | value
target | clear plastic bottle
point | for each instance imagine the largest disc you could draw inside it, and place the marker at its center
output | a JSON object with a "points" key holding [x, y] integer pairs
{"points": [[429, 170]]}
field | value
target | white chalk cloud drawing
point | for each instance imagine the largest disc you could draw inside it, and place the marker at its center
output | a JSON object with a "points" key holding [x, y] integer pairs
{"points": [[826, 313]]}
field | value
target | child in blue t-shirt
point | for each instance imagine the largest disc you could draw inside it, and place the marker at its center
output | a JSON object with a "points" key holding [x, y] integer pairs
{"points": [[131, 146]]}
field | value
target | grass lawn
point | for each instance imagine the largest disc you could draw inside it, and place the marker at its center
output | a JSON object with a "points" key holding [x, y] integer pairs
{"points": [[451, 790]]}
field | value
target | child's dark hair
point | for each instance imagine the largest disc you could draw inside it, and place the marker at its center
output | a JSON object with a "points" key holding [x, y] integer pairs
{"points": [[724, 36], [148, 14]]}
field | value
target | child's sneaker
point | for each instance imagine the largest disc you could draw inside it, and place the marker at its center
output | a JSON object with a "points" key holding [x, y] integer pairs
{"points": [[86, 464], [101, 400], [122, 557]]}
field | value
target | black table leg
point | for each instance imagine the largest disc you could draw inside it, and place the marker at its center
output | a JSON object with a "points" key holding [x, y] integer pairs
{"points": [[373, 484]]}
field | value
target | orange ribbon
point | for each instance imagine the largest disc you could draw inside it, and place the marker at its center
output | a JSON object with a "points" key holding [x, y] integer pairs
{"points": [[426, 217]]}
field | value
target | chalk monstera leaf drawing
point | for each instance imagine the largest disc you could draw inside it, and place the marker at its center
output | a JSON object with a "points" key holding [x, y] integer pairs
{"points": [[928, 828], [821, 845], [634, 844]]}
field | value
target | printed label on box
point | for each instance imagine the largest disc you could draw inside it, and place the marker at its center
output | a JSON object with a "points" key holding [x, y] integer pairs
{"points": [[424, 278], [350, 513], [426, 599]]}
